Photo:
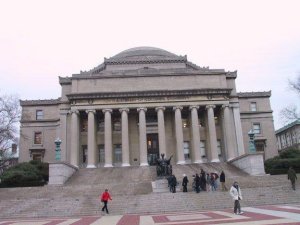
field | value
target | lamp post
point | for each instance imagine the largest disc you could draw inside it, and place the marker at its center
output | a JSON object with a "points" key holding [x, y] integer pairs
{"points": [[251, 135], [57, 149]]}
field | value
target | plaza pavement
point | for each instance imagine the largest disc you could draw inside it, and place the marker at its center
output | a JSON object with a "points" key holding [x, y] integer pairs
{"points": [[259, 215]]}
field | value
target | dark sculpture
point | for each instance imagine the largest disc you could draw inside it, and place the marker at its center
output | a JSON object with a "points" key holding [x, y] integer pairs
{"points": [[163, 167]]}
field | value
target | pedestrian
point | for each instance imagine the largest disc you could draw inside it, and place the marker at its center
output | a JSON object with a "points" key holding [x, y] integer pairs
{"points": [[104, 198], [173, 183], [236, 195], [208, 182], [184, 183], [292, 177], [222, 180], [197, 183], [203, 180]]}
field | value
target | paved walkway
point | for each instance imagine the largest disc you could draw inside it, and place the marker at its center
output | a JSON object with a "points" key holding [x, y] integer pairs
{"points": [[261, 215]]}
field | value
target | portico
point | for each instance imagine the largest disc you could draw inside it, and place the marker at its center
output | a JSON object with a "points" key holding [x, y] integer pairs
{"points": [[181, 133]]}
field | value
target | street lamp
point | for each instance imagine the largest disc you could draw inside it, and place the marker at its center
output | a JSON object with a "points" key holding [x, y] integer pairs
{"points": [[251, 135], [57, 149]]}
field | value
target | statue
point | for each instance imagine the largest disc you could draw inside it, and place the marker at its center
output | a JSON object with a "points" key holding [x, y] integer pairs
{"points": [[163, 167]]}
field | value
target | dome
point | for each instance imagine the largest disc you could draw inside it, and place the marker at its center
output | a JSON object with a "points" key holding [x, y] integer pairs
{"points": [[144, 53]]}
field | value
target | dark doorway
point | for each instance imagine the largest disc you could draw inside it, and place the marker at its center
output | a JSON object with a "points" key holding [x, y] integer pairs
{"points": [[152, 149]]}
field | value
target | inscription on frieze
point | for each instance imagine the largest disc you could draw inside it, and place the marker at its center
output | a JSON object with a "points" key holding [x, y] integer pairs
{"points": [[149, 99]]}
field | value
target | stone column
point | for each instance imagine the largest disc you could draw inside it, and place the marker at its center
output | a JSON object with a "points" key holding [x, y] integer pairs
{"points": [[195, 134], [230, 149], [74, 153], [91, 163], [125, 137], [62, 134], [107, 137], [238, 129], [161, 130], [179, 135], [212, 134], [143, 136]]}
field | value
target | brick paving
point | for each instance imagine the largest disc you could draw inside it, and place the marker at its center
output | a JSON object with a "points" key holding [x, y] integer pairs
{"points": [[261, 215]]}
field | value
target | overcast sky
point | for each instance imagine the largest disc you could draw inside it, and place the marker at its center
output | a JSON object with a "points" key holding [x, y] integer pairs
{"points": [[41, 40]]}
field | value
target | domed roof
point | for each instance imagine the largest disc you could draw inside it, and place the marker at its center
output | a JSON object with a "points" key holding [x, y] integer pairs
{"points": [[144, 51], [144, 54]]}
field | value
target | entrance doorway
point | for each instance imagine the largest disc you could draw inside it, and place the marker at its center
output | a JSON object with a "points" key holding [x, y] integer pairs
{"points": [[152, 149]]}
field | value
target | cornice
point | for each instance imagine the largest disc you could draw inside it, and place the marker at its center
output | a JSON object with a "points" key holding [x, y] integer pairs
{"points": [[40, 102], [156, 93], [254, 94]]}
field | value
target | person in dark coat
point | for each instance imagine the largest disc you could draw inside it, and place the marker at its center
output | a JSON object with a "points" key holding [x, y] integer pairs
{"points": [[203, 180], [292, 177], [184, 183], [197, 183], [222, 180], [173, 183]]}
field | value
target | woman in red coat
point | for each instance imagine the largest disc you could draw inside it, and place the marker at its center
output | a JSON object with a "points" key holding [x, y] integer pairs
{"points": [[104, 198]]}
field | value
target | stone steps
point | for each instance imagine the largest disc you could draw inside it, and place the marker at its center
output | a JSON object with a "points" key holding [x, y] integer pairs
{"points": [[132, 193]]}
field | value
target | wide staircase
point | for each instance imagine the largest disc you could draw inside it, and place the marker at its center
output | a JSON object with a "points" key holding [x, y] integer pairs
{"points": [[132, 193]]}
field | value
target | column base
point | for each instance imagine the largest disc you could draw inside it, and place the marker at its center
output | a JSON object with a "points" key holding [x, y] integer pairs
{"points": [[108, 165], [91, 166], [229, 159], [181, 162], [215, 160], [198, 161], [144, 164], [125, 164]]}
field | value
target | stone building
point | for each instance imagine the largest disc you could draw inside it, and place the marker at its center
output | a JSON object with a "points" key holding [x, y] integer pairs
{"points": [[144, 102], [289, 136]]}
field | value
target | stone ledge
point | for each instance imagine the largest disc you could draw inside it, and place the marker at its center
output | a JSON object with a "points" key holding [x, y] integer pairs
{"points": [[252, 164], [60, 172]]}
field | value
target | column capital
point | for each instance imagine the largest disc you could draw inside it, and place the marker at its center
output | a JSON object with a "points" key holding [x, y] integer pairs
{"points": [[160, 108], [124, 109], [74, 111], [177, 107], [141, 109], [225, 106], [210, 106], [107, 110], [194, 107], [90, 111]]}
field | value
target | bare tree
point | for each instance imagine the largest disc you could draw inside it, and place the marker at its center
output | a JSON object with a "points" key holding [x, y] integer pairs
{"points": [[9, 120], [291, 113]]}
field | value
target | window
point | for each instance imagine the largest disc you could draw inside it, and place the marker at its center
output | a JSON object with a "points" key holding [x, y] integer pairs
{"points": [[202, 149], [101, 153], [84, 125], [37, 138], [39, 115], [219, 147], [185, 123], [101, 125], [117, 124], [37, 157], [186, 150], [253, 107], [118, 153], [256, 128]]}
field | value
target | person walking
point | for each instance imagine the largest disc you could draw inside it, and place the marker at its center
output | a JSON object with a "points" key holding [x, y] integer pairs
{"points": [[184, 183], [236, 195], [222, 181], [104, 198], [292, 177], [197, 183]]}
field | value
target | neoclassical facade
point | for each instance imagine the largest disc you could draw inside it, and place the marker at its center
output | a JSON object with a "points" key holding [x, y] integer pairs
{"points": [[144, 102]]}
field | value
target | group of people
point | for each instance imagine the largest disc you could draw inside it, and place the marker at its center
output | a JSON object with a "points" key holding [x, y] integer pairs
{"points": [[205, 182]]}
